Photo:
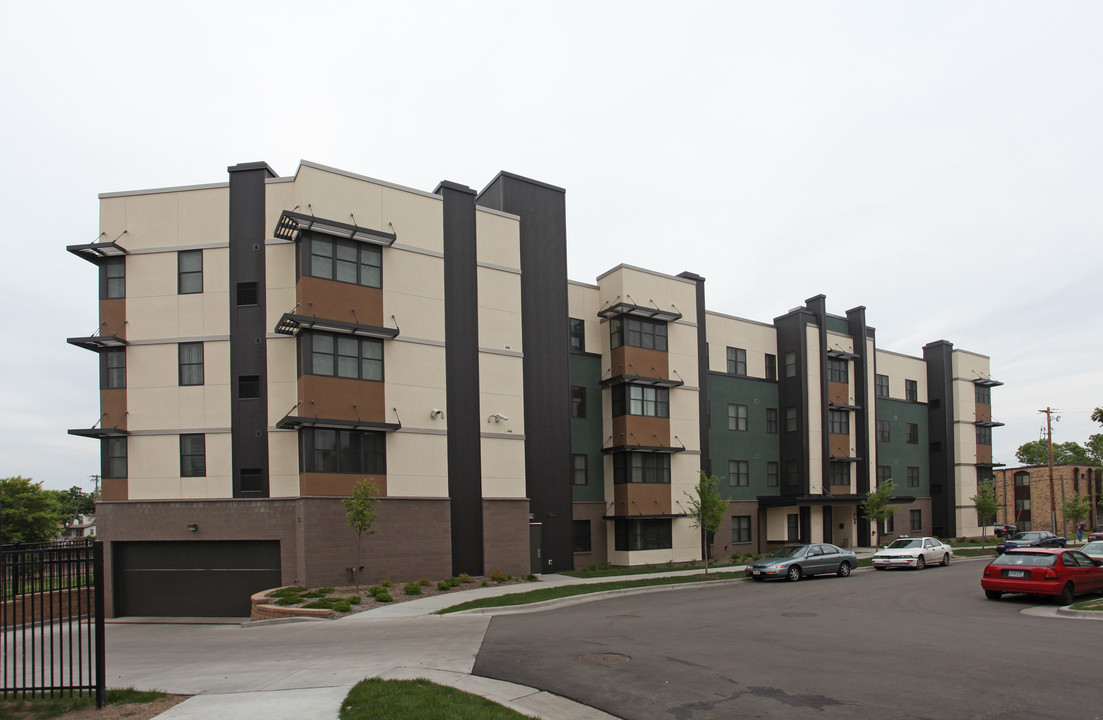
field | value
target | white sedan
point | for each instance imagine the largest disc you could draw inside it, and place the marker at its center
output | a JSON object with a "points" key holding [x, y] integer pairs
{"points": [[909, 552]]}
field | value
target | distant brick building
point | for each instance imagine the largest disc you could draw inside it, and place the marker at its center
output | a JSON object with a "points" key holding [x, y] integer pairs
{"points": [[1024, 497]]}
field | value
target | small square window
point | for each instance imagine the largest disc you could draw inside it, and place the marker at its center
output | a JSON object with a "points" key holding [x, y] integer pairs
{"points": [[882, 386], [884, 474], [739, 474], [193, 456], [246, 294], [113, 369], [911, 390], [113, 278], [737, 417], [913, 477], [252, 481], [191, 363], [582, 536], [771, 474], [790, 364], [737, 361], [838, 370], [916, 520], [741, 529], [790, 419], [577, 329], [883, 432], [248, 387]]}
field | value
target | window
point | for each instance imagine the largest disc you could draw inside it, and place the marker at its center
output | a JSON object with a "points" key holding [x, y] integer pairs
{"points": [[579, 474], [191, 363], [913, 477], [327, 450], [884, 474], [771, 474], [113, 274], [346, 261], [248, 387], [246, 294], [771, 367], [792, 530], [651, 468], [911, 434], [189, 272], [345, 356], [984, 435], [890, 524], [911, 390], [113, 457], [252, 481], [883, 434], [193, 456], [113, 369], [839, 473], [790, 364], [737, 417], [771, 421], [578, 401], [640, 400], [642, 534], [838, 422], [792, 473], [790, 419], [1022, 479], [737, 361], [916, 520], [577, 330], [582, 536], [983, 395], [741, 529], [739, 473], [637, 332], [838, 370], [881, 385]]}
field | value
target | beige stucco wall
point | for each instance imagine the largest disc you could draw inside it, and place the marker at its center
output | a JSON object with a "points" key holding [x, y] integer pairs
{"points": [[172, 218], [816, 421], [499, 310], [498, 239], [417, 465], [503, 467], [501, 391], [155, 399], [283, 463], [583, 302], [900, 368], [154, 468], [758, 339], [649, 289]]}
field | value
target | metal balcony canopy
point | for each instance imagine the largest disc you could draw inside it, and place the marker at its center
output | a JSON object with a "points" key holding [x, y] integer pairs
{"points": [[651, 313], [641, 380], [96, 343], [292, 422], [96, 253], [987, 382], [290, 324], [98, 432], [654, 449], [292, 223]]}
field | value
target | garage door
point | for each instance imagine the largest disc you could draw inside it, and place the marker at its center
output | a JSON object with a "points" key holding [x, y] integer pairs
{"points": [[192, 579]]}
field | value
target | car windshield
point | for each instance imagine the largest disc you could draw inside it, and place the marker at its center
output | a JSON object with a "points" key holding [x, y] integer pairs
{"points": [[1095, 548], [1027, 559], [1026, 536], [897, 544], [790, 551]]}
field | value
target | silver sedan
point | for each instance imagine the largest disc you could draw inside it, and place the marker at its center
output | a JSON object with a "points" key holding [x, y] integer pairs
{"points": [[793, 562]]}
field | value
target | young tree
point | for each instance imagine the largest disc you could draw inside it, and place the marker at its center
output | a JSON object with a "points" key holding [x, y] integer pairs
{"points": [[876, 508], [360, 514], [74, 502], [706, 508], [986, 502], [30, 514], [1076, 508]]}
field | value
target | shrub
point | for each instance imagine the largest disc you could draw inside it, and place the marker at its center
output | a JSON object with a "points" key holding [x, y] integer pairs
{"points": [[607, 565], [443, 586], [386, 582], [530, 577], [499, 576], [284, 592], [591, 567], [327, 591], [319, 605], [412, 589], [375, 589], [315, 594], [485, 583], [289, 600], [341, 606], [425, 582], [384, 598], [464, 578], [353, 599]]}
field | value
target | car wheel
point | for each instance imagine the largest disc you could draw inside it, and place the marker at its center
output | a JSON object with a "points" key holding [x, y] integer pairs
{"points": [[993, 594], [920, 563], [844, 569], [794, 573], [945, 559], [1067, 595]]}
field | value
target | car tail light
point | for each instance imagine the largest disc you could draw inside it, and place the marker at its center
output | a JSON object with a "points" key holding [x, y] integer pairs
{"points": [[987, 572], [1051, 574]]}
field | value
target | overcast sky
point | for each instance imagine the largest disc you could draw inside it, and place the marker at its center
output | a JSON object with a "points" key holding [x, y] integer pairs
{"points": [[936, 162]]}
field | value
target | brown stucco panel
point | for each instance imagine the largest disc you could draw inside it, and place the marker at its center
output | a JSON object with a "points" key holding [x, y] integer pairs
{"points": [[113, 317], [641, 499], [113, 489], [638, 361], [339, 301], [640, 430], [838, 393], [342, 399], [983, 413], [838, 445], [113, 408], [338, 484]]}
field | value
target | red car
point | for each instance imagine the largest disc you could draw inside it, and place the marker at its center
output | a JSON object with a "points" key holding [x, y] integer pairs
{"points": [[1057, 572], [1095, 536]]}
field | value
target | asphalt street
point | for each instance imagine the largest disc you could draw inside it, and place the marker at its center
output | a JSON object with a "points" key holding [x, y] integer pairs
{"points": [[895, 644]]}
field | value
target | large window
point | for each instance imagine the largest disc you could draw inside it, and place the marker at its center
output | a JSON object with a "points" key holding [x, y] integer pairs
{"points": [[913, 477], [792, 527], [113, 457], [189, 272], [191, 363], [642, 534], [577, 330], [113, 279], [771, 421], [193, 456], [771, 474], [739, 473], [113, 369], [328, 450], [641, 400], [1022, 504], [983, 395], [737, 361], [346, 261], [637, 332], [771, 367], [984, 435], [884, 474], [737, 417], [911, 433], [790, 364], [839, 473], [1022, 479], [344, 356], [741, 529], [838, 422], [650, 468], [579, 470], [578, 401], [911, 390], [883, 432], [790, 419], [838, 370], [582, 536], [881, 386]]}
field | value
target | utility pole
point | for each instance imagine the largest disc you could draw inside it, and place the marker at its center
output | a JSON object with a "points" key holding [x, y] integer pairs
{"points": [[1049, 444]]}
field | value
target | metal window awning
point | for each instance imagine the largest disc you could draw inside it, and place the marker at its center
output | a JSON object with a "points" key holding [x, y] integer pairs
{"points": [[291, 324], [655, 449], [651, 313], [988, 423], [641, 380], [843, 458], [98, 432], [292, 223], [824, 500], [986, 382], [991, 465], [96, 253], [97, 343], [294, 422], [841, 354], [840, 406], [643, 517]]}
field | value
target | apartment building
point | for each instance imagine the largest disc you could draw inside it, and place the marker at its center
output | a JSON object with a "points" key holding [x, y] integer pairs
{"points": [[268, 342], [1027, 499]]}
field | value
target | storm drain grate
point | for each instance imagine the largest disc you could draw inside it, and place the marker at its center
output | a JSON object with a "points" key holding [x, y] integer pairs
{"points": [[604, 658]]}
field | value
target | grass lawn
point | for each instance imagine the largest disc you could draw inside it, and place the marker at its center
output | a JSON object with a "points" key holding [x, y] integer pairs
{"points": [[44, 708], [416, 699], [1095, 604]]}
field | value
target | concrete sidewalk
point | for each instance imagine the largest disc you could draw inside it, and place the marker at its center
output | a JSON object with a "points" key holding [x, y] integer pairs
{"points": [[291, 669]]}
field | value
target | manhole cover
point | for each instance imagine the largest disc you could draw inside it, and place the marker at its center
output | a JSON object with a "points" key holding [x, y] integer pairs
{"points": [[799, 614], [604, 658]]}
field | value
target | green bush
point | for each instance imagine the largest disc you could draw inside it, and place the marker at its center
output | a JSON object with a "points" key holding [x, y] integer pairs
{"points": [[341, 606], [530, 577], [353, 599], [591, 567], [327, 591], [284, 592], [443, 586], [289, 600], [499, 576], [384, 597], [425, 582], [412, 589], [314, 594], [464, 578], [386, 582], [375, 590], [319, 605]]}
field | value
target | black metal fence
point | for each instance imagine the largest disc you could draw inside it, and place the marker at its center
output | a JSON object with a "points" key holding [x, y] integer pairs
{"points": [[52, 619]]}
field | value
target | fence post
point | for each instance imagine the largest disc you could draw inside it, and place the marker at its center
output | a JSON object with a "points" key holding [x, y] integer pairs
{"points": [[101, 645]]}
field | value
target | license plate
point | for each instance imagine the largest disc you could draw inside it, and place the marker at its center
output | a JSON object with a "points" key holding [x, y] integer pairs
{"points": [[1016, 573], [757, 572]]}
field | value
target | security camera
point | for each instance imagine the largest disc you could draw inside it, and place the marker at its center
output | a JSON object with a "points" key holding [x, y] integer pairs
{"points": [[498, 417]]}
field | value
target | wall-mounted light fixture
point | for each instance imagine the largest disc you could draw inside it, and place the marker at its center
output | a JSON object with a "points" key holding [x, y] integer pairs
{"points": [[436, 413], [192, 527], [497, 417]]}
